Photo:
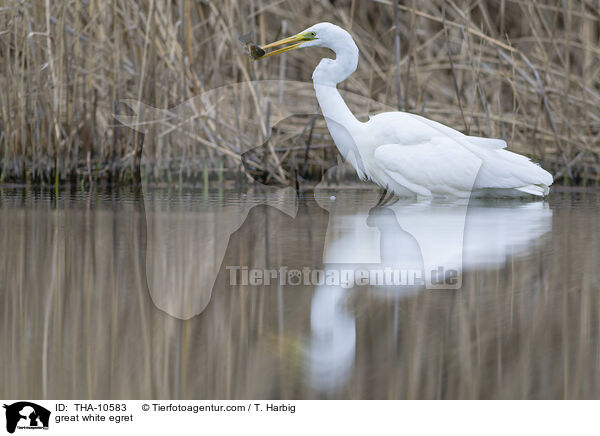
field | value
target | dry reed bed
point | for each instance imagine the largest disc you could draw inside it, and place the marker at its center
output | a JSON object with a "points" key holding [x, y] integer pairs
{"points": [[526, 71]]}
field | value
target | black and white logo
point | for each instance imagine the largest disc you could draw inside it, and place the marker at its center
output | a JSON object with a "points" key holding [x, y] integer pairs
{"points": [[26, 415]]}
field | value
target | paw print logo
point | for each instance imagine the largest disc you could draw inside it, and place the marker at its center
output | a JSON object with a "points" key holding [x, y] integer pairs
{"points": [[294, 277]]}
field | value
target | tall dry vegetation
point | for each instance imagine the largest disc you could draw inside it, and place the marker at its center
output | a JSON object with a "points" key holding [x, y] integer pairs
{"points": [[526, 71]]}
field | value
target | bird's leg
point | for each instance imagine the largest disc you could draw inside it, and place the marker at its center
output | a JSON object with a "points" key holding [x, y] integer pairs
{"points": [[386, 197], [389, 201], [386, 201], [383, 194]]}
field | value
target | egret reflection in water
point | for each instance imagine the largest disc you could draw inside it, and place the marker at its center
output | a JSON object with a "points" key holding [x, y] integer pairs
{"points": [[411, 234]]}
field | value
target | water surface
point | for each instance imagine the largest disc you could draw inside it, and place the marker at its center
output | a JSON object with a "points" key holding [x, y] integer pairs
{"points": [[122, 294]]}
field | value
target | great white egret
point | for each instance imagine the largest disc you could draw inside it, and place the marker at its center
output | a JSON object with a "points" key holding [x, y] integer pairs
{"points": [[404, 152]]}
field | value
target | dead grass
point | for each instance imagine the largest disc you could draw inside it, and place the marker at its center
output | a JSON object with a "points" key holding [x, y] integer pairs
{"points": [[526, 71]]}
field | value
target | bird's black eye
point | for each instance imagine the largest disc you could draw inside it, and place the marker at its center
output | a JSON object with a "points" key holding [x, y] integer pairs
{"points": [[313, 34]]}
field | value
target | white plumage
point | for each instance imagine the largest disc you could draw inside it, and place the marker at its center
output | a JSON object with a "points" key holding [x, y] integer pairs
{"points": [[407, 153]]}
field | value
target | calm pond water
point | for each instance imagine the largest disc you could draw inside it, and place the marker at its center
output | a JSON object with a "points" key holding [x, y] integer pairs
{"points": [[222, 294]]}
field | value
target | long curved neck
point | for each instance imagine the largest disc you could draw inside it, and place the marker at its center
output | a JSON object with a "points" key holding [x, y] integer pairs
{"points": [[328, 74]]}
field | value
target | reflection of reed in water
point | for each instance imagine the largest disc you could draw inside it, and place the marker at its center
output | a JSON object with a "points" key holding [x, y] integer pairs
{"points": [[81, 323], [77, 321]]}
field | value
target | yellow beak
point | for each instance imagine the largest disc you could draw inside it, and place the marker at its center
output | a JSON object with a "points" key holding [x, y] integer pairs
{"points": [[297, 39]]}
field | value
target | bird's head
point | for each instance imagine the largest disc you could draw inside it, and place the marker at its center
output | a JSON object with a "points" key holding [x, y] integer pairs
{"points": [[319, 35]]}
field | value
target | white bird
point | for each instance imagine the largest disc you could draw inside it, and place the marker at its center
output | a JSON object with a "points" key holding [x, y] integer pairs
{"points": [[403, 152]]}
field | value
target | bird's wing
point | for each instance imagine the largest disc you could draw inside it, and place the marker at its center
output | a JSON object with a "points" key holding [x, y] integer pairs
{"points": [[501, 169], [504, 169], [440, 166], [491, 143]]}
